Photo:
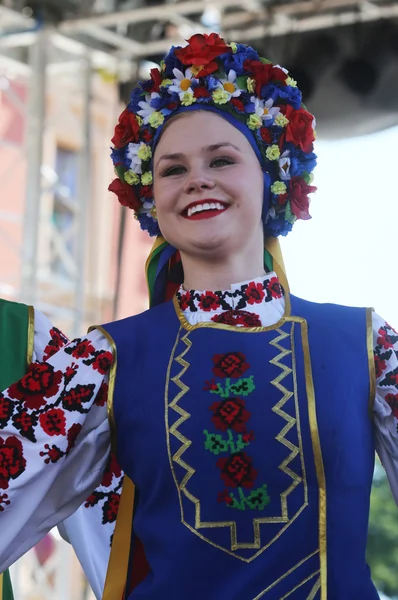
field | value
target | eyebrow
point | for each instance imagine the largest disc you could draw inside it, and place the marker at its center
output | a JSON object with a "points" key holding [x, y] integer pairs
{"points": [[211, 148]]}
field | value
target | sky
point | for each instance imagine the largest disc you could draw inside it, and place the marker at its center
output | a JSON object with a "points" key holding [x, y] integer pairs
{"points": [[347, 253]]}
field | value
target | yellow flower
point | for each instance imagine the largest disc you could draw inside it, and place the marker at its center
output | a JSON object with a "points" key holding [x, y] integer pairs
{"points": [[166, 82], [146, 178], [153, 213], [272, 152], [291, 82], [254, 122], [144, 152], [131, 178], [251, 85], [310, 178], [220, 96], [156, 119], [278, 188], [187, 99], [234, 47], [139, 120], [280, 120]]}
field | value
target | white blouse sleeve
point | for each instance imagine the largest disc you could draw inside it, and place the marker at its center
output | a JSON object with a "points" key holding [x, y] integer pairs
{"points": [[47, 338], [54, 442], [385, 343]]}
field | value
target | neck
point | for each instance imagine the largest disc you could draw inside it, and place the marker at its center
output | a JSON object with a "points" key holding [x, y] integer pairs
{"points": [[213, 274]]}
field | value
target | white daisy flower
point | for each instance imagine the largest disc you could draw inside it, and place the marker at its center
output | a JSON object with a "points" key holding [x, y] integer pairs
{"points": [[284, 166], [132, 155], [182, 82], [265, 110], [230, 86], [146, 109]]}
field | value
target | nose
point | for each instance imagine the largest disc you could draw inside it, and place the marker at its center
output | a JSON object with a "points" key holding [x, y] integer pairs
{"points": [[198, 182]]}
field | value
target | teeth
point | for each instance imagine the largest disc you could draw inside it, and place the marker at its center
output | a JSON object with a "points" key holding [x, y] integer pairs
{"points": [[206, 206]]}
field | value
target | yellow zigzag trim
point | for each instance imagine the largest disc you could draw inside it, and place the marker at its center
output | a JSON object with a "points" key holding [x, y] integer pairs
{"points": [[184, 414], [291, 421]]}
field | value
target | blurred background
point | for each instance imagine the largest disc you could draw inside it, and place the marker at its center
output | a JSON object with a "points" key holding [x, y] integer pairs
{"points": [[66, 246]]}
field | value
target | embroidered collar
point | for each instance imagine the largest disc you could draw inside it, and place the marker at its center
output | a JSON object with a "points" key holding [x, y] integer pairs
{"points": [[242, 305]]}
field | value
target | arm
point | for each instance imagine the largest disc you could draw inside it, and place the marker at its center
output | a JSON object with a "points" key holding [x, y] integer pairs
{"points": [[54, 442], [385, 342]]}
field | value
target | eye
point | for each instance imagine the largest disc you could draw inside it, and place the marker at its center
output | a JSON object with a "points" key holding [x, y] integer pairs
{"points": [[221, 161], [174, 170]]}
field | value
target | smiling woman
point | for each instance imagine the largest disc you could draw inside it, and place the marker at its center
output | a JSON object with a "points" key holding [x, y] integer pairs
{"points": [[240, 412]]}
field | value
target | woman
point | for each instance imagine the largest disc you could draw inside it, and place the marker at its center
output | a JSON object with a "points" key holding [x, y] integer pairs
{"points": [[240, 412]]}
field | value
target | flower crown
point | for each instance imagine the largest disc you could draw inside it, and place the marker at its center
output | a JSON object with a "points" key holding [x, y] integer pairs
{"points": [[233, 79]]}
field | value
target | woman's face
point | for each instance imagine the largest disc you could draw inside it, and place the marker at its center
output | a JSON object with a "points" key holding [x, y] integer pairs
{"points": [[208, 187]]}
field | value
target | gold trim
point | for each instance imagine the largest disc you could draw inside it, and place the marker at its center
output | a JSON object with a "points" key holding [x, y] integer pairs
{"points": [[316, 444], [371, 360], [261, 594], [210, 324], [116, 574], [1, 586], [315, 589], [185, 443], [300, 584], [31, 336], [111, 384]]}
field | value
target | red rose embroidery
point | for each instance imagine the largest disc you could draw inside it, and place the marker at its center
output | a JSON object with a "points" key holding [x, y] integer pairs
{"points": [[392, 401], [299, 130], [299, 201], [231, 364], [230, 413], [12, 461], [102, 395], [40, 382], [237, 470], [25, 423], [380, 365], [6, 410], [125, 194], [111, 506], [102, 362], [255, 293], [93, 499], [53, 454], [127, 129], [385, 340], [83, 349], [201, 51], [53, 422], [224, 497], [75, 398], [236, 317], [72, 434], [4, 501], [275, 287], [58, 340], [209, 301], [185, 301], [112, 470], [263, 74]]}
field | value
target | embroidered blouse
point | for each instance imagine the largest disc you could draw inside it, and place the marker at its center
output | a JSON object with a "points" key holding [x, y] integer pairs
{"points": [[60, 405]]}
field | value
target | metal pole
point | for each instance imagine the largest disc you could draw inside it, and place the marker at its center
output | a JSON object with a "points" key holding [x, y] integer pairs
{"points": [[83, 198], [34, 152]]}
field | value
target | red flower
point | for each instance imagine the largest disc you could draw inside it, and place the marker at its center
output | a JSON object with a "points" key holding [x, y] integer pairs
{"points": [[201, 92], [380, 365], [237, 470], [102, 362], [255, 293], [230, 413], [93, 499], [231, 364], [392, 400], [184, 301], [274, 287], [238, 317], [156, 80], [53, 422], [75, 398], [58, 340], [147, 135], [112, 470], [266, 135], [238, 104], [201, 51], [53, 454], [299, 130], [146, 191], [125, 194], [82, 350], [12, 462], [263, 74], [72, 434], [25, 423], [70, 372], [40, 382], [110, 509], [127, 129], [172, 105], [209, 301], [385, 339], [299, 201]]}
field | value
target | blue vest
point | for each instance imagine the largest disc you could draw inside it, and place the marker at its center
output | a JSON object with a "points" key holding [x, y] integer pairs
{"points": [[252, 453]]}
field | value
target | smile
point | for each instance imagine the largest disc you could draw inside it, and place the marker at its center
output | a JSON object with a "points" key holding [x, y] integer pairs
{"points": [[204, 210]]}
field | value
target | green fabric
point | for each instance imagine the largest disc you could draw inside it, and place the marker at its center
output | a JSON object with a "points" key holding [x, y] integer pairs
{"points": [[14, 322]]}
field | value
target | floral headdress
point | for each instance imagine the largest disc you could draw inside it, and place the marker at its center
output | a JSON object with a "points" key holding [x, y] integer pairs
{"points": [[231, 78]]}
